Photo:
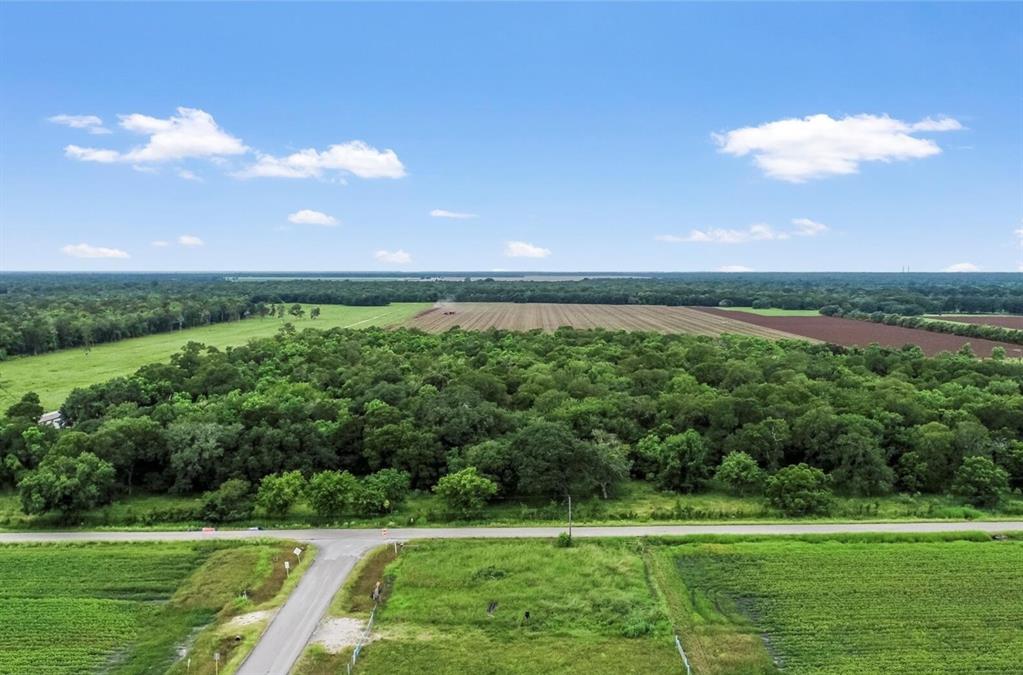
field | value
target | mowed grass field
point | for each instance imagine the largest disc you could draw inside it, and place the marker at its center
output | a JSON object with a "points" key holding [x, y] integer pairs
{"points": [[772, 311], [854, 606], [591, 611], [131, 607], [815, 604], [54, 375], [551, 316]]}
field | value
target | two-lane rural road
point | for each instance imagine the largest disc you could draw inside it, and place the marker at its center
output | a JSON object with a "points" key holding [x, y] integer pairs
{"points": [[291, 629]]}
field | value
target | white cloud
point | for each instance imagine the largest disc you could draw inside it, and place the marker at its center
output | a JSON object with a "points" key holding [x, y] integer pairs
{"points": [[940, 124], [1019, 234], [92, 154], [160, 243], [457, 215], [354, 157], [808, 228], [734, 268], [804, 227], [310, 217], [797, 150], [189, 240], [188, 175], [192, 133], [757, 232], [398, 257], [90, 123], [523, 249], [962, 267], [89, 251]]}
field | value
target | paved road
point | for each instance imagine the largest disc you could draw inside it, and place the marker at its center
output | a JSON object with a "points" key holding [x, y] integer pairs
{"points": [[338, 550]]}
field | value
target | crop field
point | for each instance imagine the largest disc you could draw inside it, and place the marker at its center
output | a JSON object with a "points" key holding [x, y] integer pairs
{"points": [[850, 607], [123, 608], [54, 375], [853, 333], [551, 316], [1003, 320]]}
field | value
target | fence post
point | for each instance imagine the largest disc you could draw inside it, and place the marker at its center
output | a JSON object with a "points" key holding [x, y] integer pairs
{"points": [[682, 653]]}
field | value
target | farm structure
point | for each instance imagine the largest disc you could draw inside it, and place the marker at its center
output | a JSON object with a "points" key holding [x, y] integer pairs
{"points": [[853, 333], [551, 316]]}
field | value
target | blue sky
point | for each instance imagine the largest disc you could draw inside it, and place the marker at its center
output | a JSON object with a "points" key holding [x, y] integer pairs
{"points": [[577, 137]]}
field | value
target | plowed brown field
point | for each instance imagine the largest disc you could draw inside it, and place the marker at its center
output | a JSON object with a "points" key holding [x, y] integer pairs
{"points": [[550, 316], [853, 333], [1003, 320]]}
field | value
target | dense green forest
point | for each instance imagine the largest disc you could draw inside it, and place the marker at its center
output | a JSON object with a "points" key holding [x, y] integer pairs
{"points": [[43, 312], [355, 419]]}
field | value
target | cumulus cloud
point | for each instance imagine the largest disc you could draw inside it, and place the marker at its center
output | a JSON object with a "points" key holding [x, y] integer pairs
{"points": [[398, 257], [160, 243], [91, 123], [808, 228], [192, 133], [457, 215], [962, 267], [355, 157], [734, 268], [803, 227], [189, 240], [310, 217], [523, 249], [757, 232], [89, 251], [797, 150]]}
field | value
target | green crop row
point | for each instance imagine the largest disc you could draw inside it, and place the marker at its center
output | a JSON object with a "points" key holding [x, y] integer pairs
{"points": [[853, 608]]}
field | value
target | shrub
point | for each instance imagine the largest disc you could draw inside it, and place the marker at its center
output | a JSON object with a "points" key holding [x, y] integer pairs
{"points": [[279, 492], [69, 485], [564, 540], [394, 484], [330, 492], [466, 490], [800, 490], [740, 473], [980, 481], [231, 501]]}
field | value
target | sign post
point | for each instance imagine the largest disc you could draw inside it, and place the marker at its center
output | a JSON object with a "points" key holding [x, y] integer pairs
{"points": [[216, 662], [287, 568]]}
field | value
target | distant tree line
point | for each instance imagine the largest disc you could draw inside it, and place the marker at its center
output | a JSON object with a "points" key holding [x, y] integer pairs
{"points": [[40, 313], [352, 420]]}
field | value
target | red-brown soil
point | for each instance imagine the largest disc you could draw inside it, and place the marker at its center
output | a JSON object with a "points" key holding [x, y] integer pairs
{"points": [[853, 333]]}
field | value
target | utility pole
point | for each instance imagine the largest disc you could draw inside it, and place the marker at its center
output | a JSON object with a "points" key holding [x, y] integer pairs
{"points": [[570, 516]]}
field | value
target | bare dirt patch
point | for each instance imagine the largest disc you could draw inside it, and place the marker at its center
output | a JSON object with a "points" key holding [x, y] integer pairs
{"points": [[250, 618], [340, 632], [551, 316], [853, 333]]}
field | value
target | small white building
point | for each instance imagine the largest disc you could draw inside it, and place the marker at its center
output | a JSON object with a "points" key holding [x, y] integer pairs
{"points": [[53, 419]]}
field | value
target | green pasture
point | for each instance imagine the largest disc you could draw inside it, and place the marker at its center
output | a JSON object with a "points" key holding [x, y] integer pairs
{"points": [[772, 311], [55, 374]]}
